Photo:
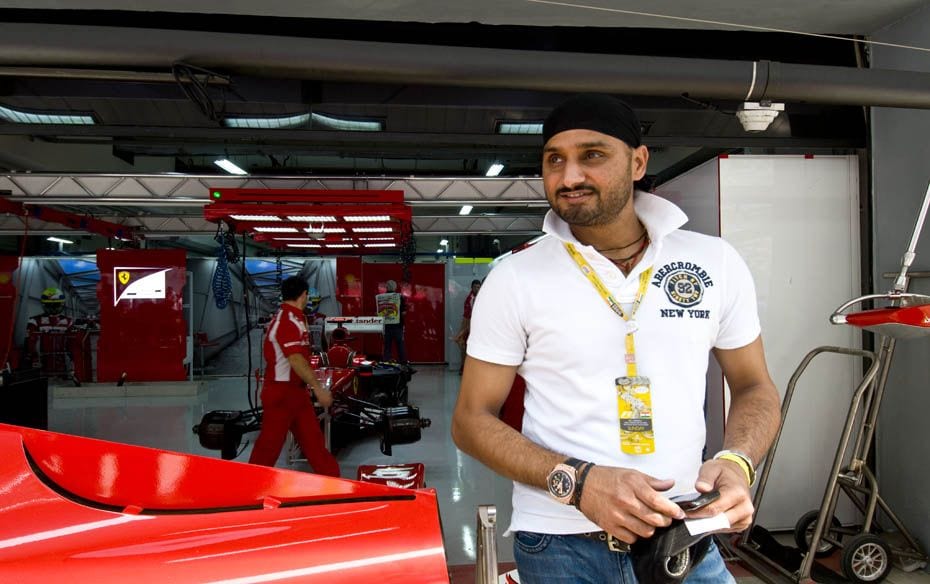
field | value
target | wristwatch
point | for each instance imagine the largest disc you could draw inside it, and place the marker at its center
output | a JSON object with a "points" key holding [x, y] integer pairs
{"points": [[743, 460], [562, 480]]}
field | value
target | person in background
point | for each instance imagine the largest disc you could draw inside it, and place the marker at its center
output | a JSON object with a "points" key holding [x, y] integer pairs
{"points": [[613, 424], [286, 400], [461, 338], [46, 345], [392, 306], [316, 320]]}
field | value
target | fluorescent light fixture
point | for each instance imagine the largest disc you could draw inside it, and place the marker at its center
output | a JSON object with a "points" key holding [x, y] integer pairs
{"points": [[304, 245], [372, 230], [325, 230], [346, 124], [67, 119], [380, 245], [255, 217], [229, 167], [340, 245], [466, 209], [276, 229], [366, 218], [376, 239], [443, 242], [519, 128], [267, 123], [312, 218], [60, 240], [495, 169], [440, 250]]}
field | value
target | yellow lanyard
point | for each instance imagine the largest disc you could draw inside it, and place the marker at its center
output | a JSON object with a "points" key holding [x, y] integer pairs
{"points": [[631, 327]]}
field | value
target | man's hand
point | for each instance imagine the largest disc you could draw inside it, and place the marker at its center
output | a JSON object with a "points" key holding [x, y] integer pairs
{"points": [[627, 503], [324, 396], [735, 500]]}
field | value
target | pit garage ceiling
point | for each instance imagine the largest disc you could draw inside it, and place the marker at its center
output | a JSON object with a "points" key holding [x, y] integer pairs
{"points": [[860, 17], [439, 76]]}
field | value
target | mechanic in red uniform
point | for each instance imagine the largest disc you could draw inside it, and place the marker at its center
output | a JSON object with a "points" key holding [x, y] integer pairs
{"points": [[461, 339], [46, 342], [285, 396]]}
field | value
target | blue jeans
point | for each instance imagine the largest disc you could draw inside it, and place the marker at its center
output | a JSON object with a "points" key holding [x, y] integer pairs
{"points": [[543, 558]]}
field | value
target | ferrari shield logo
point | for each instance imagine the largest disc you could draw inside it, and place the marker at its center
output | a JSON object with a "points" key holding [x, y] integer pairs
{"points": [[142, 283]]}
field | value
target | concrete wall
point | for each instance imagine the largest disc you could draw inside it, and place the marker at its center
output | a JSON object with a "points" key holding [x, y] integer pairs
{"points": [[900, 171]]}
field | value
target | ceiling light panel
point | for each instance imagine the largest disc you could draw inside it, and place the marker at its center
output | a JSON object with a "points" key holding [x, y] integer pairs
{"points": [[520, 128], [267, 123], [66, 119], [317, 245], [495, 169], [256, 217], [340, 245], [372, 229], [346, 124], [325, 230], [276, 229], [366, 218], [312, 218], [380, 245], [230, 167]]}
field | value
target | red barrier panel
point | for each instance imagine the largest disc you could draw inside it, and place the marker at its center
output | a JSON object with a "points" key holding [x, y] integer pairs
{"points": [[142, 327], [8, 265], [425, 296]]}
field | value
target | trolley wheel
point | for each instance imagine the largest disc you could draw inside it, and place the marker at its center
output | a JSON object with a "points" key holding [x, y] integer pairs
{"points": [[866, 558], [804, 532]]}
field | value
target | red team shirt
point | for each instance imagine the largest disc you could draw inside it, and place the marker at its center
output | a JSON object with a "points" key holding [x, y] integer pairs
{"points": [[469, 302], [287, 335]]}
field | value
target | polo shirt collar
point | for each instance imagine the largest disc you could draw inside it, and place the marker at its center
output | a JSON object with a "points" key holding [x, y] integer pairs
{"points": [[292, 309], [659, 215]]}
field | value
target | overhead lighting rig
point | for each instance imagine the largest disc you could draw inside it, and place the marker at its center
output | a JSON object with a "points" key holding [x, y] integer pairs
{"points": [[344, 222]]}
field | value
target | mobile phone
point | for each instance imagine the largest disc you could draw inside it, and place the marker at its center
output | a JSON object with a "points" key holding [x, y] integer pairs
{"points": [[693, 501]]}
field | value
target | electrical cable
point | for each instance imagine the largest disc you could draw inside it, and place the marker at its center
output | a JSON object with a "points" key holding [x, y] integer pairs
{"points": [[248, 326]]}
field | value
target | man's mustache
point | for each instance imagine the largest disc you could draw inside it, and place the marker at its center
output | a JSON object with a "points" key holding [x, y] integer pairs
{"points": [[581, 187]]}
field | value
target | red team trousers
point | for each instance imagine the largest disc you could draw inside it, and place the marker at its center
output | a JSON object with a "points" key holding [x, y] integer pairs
{"points": [[288, 407]]}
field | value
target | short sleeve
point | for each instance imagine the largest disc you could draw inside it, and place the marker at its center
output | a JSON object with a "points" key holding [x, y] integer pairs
{"points": [[497, 333], [290, 337], [739, 323]]}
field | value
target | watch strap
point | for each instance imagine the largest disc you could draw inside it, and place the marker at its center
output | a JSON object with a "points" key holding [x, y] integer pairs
{"points": [[579, 484], [575, 463]]}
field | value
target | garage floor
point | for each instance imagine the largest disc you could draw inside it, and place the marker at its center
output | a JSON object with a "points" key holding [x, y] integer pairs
{"points": [[461, 482]]}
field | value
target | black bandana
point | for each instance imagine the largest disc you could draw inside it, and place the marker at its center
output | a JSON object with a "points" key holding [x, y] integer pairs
{"points": [[593, 111]]}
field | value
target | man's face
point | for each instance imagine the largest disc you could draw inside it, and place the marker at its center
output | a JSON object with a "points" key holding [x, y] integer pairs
{"points": [[475, 288], [302, 300], [588, 176]]}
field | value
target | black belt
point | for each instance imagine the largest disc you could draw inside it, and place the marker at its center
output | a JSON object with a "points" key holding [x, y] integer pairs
{"points": [[614, 544]]}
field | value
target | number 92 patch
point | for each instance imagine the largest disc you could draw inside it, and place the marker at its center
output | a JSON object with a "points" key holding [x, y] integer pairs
{"points": [[683, 288]]}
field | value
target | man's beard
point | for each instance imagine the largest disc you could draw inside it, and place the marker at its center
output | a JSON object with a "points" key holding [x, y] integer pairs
{"points": [[603, 211]]}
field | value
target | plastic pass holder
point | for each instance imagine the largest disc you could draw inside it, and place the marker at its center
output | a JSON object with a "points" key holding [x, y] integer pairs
{"points": [[634, 409]]}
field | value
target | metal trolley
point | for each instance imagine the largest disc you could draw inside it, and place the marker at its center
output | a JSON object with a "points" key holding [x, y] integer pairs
{"points": [[866, 557]]}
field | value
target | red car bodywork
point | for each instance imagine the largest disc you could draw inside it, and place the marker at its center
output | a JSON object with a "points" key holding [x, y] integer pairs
{"points": [[76, 509]]}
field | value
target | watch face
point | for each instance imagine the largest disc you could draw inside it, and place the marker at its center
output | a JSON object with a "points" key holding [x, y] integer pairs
{"points": [[561, 483]]}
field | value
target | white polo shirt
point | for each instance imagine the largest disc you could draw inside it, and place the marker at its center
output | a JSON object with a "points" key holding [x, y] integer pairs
{"points": [[537, 310]]}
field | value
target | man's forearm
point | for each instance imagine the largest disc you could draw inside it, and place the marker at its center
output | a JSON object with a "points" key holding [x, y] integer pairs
{"points": [[755, 414], [503, 449]]}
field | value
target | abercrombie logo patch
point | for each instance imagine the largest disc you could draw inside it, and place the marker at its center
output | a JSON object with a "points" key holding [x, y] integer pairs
{"points": [[684, 284]]}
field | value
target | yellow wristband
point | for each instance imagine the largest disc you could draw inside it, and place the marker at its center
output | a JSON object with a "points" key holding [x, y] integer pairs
{"points": [[742, 464]]}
